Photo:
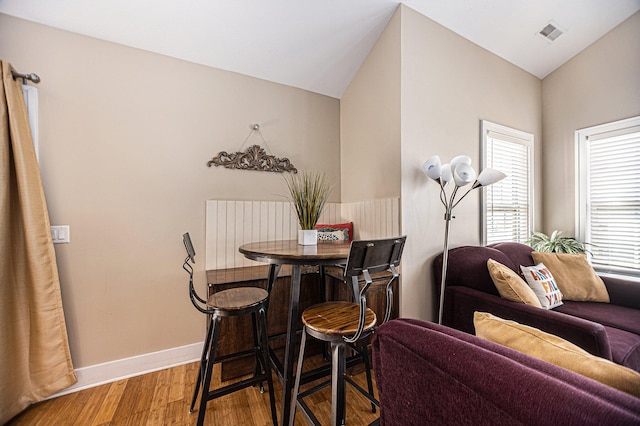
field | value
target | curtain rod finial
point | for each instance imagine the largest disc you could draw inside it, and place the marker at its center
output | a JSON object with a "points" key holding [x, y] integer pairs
{"points": [[31, 77]]}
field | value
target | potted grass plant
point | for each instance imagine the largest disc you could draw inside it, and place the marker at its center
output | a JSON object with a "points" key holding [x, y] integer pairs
{"points": [[555, 243], [308, 193]]}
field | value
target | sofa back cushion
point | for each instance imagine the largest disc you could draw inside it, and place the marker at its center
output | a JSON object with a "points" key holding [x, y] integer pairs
{"points": [[520, 254], [467, 265]]}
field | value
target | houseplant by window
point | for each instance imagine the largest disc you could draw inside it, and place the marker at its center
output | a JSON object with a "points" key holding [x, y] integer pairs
{"points": [[308, 193], [554, 243]]}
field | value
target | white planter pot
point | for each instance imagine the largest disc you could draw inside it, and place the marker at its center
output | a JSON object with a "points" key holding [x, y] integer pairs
{"points": [[308, 237]]}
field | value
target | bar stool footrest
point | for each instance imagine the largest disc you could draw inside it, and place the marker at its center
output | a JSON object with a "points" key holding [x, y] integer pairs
{"points": [[364, 393], [308, 414], [216, 393], [314, 389]]}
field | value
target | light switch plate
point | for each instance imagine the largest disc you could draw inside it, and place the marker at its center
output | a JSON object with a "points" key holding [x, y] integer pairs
{"points": [[60, 234]]}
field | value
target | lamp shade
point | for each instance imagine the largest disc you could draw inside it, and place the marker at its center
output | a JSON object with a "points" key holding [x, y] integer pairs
{"points": [[488, 177], [432, 167], [460, 159], [463, 174], [446, 175]]}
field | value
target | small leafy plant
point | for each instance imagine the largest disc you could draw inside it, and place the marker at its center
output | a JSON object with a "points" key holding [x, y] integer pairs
{"points": [[540, 241], [308, 192]]}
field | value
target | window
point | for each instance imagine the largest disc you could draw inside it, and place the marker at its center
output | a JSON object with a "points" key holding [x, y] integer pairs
{"points": [[507, 206], [608, 195], [30, 95]]}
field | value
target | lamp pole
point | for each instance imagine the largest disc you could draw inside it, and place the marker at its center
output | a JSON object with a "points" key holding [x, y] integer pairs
{"points": [[448, 206], [445, 259]]}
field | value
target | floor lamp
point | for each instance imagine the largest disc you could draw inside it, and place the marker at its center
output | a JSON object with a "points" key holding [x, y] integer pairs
{"points": [[460, 171]]}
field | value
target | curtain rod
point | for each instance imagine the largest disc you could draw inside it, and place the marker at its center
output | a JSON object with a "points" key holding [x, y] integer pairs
{"points": [[31, 77]]}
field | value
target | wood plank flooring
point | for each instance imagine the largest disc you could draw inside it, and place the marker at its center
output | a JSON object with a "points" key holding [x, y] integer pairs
{"points": [[163, 398]]}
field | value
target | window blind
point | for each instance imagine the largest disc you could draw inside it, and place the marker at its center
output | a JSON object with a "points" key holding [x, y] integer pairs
{"points": [[613, 202], [507, 202]]}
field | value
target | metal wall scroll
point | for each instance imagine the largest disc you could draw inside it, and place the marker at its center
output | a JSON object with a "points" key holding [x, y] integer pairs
{"points": [[254, 158]]}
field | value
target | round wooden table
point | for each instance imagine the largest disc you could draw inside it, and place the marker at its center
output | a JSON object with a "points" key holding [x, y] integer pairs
{"points": [[278, 253]]}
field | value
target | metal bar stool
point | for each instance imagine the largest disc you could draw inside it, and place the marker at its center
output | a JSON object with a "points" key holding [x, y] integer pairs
{"points": [[227, 303], [342, 323]]}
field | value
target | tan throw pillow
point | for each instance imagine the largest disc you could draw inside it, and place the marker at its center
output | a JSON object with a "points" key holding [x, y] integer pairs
{"points": [[510, 285], [575, 277], [541, 281], [555, 350]]}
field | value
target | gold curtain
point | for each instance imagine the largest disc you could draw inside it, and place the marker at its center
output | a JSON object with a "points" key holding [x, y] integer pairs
{"points": [[35, 361]]}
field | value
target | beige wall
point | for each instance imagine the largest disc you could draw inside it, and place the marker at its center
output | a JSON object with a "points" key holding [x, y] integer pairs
{"points": [[370, 123], [125, 136], [447, 85], [599, 85]]}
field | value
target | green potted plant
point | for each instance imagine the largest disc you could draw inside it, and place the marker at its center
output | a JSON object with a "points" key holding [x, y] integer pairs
{"points": [[308, 193], [540, 241]]}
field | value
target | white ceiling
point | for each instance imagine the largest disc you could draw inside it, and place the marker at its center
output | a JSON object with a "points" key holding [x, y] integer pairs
{"points": [[318, 45]]}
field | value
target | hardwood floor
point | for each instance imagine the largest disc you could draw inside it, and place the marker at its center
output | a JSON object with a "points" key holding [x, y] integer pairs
{"points": [[163, 398]]}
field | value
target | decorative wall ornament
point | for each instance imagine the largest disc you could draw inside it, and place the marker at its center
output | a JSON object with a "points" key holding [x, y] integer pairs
{"points": [[253, 158]]}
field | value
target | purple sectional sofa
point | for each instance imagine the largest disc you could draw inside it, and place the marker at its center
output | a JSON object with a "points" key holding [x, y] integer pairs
{"points": [[428, 374], [609, 330]]}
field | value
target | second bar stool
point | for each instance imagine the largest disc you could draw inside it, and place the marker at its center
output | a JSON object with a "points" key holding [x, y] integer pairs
{"points": [[341, 323], [227, 303]]}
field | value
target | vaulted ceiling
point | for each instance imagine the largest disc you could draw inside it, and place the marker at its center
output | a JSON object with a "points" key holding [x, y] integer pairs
{"points": [[318, 45]]}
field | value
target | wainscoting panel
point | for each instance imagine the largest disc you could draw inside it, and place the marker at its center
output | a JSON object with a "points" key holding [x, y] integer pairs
{"points": [[231, 223], [374, 219]]}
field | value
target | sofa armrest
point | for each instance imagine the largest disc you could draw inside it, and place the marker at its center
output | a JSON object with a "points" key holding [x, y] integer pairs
{"points": [[428, 374], [462, 302], [622, 292]]}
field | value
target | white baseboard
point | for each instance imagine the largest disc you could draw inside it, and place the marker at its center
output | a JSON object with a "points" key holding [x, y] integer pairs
{"points": [[111, 371]]}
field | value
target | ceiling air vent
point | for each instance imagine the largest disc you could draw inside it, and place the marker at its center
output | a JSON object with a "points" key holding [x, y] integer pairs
{"points": [[551, 31]]}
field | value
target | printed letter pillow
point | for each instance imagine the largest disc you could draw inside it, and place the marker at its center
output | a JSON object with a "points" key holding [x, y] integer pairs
{"points": [[557, 351], [543, 285], [510, 285], [576, 279]]}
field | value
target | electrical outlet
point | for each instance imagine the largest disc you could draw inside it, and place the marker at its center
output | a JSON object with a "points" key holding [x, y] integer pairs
{"points": [[60, 234]]}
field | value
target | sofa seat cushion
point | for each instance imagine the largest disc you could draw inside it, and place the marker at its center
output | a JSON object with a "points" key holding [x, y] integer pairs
{"points": [[621, 323], [625, 347], [609, 315]]}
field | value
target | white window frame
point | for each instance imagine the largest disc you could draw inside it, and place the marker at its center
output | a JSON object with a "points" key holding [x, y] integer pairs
{"points": [[582, 138], [505, 133]]}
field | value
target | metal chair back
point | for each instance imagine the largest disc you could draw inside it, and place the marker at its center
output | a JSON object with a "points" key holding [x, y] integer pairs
{"points": [[196, 300], [368, 257]]}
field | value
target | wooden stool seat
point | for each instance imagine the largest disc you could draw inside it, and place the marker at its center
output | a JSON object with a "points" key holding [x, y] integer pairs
{"points": [[336, 319], [344, 324], [237, 299]]}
